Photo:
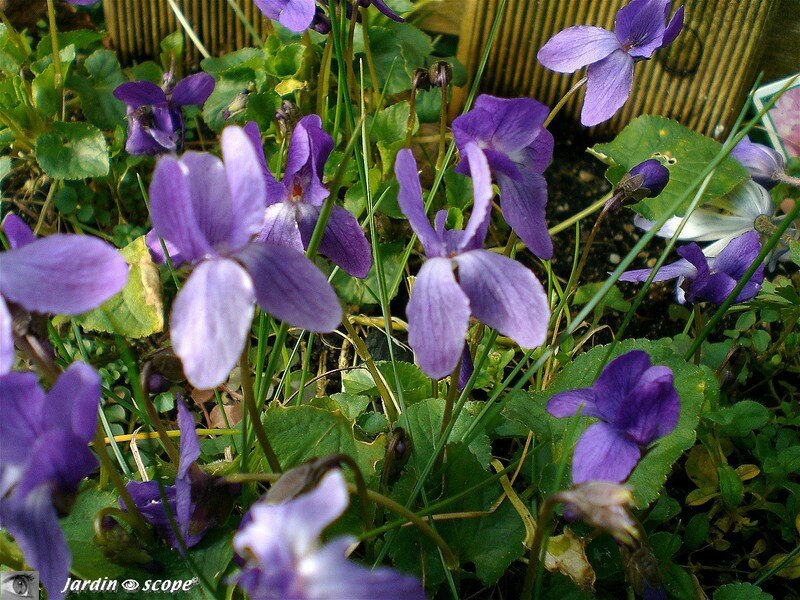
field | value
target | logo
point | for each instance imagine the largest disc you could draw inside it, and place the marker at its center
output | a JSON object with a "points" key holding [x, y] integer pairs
{"points": [[16, 585], [130, 585]]}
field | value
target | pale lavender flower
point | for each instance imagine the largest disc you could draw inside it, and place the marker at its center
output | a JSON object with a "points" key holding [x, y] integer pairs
{"points": [[639, 31], [636, 404], [294, 204], [44, 455], [459, 279], [155, 115], [712, 279], [61, 273], [210, 212], [764, 164], [280, 544], [511, 134], [295, 15]]}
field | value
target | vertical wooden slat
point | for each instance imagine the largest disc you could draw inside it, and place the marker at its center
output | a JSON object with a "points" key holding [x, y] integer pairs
{"points": [[725, 37]]}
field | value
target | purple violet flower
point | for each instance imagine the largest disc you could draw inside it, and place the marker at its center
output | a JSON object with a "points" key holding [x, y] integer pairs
{"points": [[762, 162], [44, 455], [511, 134], [636, 403], [61, 273], [459, 279], [209, 212], [186, 500], [712, 279], [295, 15], [639, 31], [284, 558], [82, 2], [294, 204], [155, 118]]}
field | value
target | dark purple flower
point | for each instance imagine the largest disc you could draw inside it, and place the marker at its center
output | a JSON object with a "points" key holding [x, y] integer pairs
{"points": [[511, 134], [639, 31], [44, 455], [655, 176], [155, 118], [710, 278], [61, 273], [294, 204], [636, 403], [762, 162], [285, 559], [460, 279], [209, 212], [185, 498]]}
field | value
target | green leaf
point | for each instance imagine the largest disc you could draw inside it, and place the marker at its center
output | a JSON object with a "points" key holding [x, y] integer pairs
{"points": [[389, 130], [397, 49], [794, 252], [741, 591], [684, 152], [138, 309], [299, 433], [691, 381], [366, 291], [73, 151], [731, 487], [45, 96], [415, 384], [97, 90], [740, 419], [425, 421], [491, 542]]}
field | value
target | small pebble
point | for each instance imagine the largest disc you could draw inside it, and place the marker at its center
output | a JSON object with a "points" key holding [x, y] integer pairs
{"points": [[586, 176], [614, 258]]}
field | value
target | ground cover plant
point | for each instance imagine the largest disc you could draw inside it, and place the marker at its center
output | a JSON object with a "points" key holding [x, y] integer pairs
{"points": [[279, 328]]}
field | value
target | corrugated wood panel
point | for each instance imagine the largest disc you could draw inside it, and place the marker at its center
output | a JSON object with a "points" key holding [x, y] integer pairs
{"points": [[701, 80], [137, 27]]}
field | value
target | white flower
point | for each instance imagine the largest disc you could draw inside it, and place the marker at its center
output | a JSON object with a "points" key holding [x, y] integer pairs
{"points": [[745, 204]]}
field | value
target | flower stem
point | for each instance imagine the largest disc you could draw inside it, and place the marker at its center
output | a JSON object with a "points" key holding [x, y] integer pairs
{"points": [[557, 108], [536, 549], [442, 129], [59, 74], [252, 410], [137, 520]]}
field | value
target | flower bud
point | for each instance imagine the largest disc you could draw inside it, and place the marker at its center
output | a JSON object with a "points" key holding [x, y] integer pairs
{"points": [[421, 80], [441, 74], [646, 180]]}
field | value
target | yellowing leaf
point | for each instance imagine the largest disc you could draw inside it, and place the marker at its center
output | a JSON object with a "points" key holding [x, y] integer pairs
{"points": [[138, 310]]}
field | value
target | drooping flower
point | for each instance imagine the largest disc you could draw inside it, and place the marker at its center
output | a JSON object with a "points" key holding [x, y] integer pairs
{"points": [[712, 279], [61, 273], [636, 404], [155, 116], [459, 279], [294, 204], [209, 212], [190, 500], [511, 134], [605, 505], [284, 558], [654, 175], [764, 164], [44, 455], [639, 31], [646, 180]]}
